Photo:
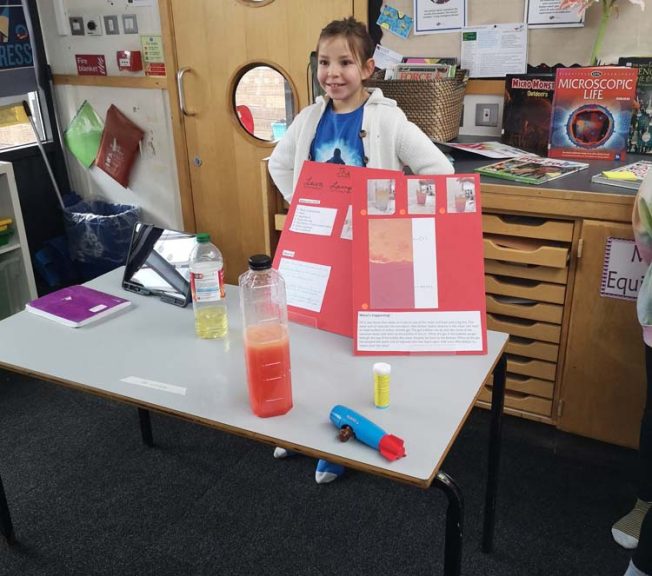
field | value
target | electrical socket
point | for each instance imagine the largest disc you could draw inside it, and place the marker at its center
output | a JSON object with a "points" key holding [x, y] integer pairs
{"points": [[94, 26], [111, 25], [486, 115], [76, 25]]}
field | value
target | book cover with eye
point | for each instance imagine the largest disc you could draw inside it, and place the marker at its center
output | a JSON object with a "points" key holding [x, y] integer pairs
{"points": [[591, 112]]}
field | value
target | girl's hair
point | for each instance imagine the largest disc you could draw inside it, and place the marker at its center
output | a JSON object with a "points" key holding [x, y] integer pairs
{"points": [[356, 35]]}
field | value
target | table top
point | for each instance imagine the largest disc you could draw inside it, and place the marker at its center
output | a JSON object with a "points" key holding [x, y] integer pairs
{"points": [[148, 355]]}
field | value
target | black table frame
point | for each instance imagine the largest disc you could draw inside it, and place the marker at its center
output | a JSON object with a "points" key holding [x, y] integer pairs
{"points": [[454, 512]]}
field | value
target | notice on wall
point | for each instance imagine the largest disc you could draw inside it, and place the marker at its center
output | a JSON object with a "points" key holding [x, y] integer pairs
{"points": [[548, 14], [495, 50], [623, 269], [433, 17], [153, 55], [90, 64]]}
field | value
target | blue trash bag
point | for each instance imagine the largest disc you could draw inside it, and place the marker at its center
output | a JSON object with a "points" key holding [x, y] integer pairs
{"points": [[99, 234]]}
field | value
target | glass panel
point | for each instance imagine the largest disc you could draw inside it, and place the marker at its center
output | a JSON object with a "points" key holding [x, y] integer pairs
{"points": [[264, 102]]}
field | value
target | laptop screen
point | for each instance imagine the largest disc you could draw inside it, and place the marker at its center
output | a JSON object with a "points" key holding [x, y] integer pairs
{"points": [[158, 263]]}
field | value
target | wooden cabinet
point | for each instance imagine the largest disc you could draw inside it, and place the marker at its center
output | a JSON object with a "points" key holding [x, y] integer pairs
{"points": [[603, 381], [526, 273], [17, 284]]}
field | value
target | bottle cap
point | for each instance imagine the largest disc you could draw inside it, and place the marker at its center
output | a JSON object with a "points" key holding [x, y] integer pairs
{"points": [[203, 237], [382, 368], [260, 262]]}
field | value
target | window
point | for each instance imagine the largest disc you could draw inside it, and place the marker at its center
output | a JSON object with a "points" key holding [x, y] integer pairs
{"points": [[264, 102]]}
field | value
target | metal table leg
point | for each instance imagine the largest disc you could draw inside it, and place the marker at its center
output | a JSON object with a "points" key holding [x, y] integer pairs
{"points": [[6, 526], [454, 524], [497, 403], [145, 427]]}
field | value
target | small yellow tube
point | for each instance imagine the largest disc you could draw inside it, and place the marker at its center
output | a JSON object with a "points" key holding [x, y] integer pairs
{"points": [[382, 373]]}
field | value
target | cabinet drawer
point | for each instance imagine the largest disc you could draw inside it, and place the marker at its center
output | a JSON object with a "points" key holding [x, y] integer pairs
{"points": [[527, 385], [521, 288], [531, 367], [523, 402], [524, 328], [525, 251], [533, 349], [528, 271], [530, 310], [528, 227]]}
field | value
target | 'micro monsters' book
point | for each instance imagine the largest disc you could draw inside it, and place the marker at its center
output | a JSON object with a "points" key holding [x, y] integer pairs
{"points": [[591, 112], [640, 130]]}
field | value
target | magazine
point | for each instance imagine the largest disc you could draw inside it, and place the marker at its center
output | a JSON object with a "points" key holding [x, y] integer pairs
{"points": [[591, 112], [640, 130], [490, 149], [629, 176], [527, 111], [531, 169], [76, 305]]}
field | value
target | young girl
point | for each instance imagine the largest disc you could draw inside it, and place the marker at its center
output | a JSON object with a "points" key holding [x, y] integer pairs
{"points": [[350, 125]]}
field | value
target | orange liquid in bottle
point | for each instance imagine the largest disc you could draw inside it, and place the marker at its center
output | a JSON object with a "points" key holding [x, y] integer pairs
{"points": [[267, 351]]}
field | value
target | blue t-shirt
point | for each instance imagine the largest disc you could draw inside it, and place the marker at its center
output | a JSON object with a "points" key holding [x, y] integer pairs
{"points": [[337, 138]]}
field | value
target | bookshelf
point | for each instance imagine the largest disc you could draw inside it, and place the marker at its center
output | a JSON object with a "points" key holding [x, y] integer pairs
{"points": [[17, 285]]}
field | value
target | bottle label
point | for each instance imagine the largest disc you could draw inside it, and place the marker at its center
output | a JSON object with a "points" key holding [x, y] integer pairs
{"points": [[207, 286]]}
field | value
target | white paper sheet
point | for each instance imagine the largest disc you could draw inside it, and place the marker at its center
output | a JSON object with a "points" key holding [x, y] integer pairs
{"points": [[431, 18], [305, 283], [313, 220], [494, 50], [419, 331], [385, 58], [547, 14]]}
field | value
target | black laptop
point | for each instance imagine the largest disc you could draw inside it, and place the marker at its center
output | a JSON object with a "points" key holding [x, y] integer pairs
{"points": [[158, 263]]}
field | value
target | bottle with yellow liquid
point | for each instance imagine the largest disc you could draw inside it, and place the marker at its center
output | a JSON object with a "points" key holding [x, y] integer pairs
{"points": [[207, 286]]}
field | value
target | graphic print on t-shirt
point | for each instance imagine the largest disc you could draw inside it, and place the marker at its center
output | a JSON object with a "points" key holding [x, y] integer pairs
{"points": [[337, 139]]}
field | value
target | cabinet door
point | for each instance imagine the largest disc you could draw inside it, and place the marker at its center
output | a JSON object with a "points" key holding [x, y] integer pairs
{"points": [[603, 384]]}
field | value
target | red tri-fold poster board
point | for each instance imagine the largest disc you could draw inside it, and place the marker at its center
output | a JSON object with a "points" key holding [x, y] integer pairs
{"points": [[418, 282], [394, 261], [314, 251]]}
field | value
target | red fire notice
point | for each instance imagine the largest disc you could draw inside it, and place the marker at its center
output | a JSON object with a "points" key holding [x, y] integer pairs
{"points": [[90, 64]]}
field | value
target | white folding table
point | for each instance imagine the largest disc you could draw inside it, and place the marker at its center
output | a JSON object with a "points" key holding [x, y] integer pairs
{"points": [[148, 356]]}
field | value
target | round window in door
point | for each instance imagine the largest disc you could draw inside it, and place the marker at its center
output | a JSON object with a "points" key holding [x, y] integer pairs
{"points": [[264, 101]]}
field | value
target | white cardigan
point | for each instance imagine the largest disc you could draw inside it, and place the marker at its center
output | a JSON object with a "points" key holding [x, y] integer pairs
{"points": [[390, 142]]}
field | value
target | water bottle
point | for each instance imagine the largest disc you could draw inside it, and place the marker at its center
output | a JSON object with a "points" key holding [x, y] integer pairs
{"points": [[265, 330], [207, 286]]}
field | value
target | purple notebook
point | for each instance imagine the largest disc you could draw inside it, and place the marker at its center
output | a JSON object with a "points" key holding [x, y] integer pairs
{"points": [[76, 305]]}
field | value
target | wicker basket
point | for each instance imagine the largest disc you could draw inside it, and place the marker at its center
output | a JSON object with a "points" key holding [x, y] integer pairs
{"points": [[435, 106]]}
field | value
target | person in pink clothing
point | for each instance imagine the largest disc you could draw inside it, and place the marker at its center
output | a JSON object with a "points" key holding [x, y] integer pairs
{"points": [[634, 530]]}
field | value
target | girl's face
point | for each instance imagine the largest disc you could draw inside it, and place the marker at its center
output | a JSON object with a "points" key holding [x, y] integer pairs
{"points": [[340, 75]]}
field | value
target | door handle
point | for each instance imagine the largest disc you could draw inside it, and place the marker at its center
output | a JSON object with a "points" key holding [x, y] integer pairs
{"points": [[180, 91]]}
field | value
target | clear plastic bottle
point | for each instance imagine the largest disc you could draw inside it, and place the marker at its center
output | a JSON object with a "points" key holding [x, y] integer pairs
{"points": [[207, 285], [265, 330]]}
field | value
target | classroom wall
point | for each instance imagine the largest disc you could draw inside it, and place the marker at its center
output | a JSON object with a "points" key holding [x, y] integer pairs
{"points": [[153, 184], [628, 34]]}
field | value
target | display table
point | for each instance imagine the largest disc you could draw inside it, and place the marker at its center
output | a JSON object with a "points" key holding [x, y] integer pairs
{"points": [[149, 356]]}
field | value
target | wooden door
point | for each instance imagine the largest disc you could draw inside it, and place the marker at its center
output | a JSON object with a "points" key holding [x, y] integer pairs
{"points": [[603, 384], [218, 161]]}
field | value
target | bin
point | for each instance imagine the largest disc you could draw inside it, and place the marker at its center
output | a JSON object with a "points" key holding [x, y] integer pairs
{"points": [[98, 235]]}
